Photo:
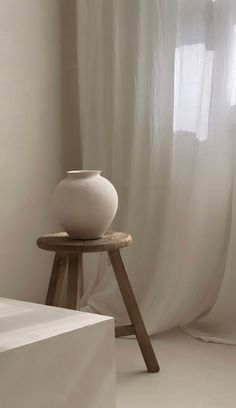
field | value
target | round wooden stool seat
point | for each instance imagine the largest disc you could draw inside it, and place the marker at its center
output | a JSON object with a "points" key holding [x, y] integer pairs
{"points": [[69, 256], [60, 242]]}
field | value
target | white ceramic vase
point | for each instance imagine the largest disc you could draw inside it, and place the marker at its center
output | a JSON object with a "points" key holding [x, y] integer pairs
{"points": [[85, 204]]}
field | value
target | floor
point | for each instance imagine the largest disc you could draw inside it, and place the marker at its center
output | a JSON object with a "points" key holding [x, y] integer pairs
{"points": [[193, 374]]}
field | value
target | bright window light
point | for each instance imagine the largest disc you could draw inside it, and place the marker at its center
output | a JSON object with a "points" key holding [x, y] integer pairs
{"points": [[192, 91]]}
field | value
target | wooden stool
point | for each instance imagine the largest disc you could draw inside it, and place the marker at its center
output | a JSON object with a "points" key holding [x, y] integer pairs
{"points": [[72, 250]]}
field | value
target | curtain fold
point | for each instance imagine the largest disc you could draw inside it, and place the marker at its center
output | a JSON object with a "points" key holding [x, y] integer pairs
{"points": [[157, 85]]}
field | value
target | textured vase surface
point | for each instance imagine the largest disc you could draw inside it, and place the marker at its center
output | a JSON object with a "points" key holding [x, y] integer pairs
{"points": [[85, 204]]}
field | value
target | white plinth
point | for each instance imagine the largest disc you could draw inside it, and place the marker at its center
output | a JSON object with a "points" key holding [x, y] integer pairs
{"points": [[55, 358]]}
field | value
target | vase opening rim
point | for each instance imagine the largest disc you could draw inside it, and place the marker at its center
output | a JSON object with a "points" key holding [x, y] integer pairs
{"points": [[83, 172]]}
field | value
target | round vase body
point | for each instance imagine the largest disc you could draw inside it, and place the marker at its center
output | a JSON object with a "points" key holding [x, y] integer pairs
{"points": [[85, 204]]}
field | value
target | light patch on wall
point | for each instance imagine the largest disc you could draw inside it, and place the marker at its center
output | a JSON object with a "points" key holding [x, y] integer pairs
{"points": [[232, 80]]}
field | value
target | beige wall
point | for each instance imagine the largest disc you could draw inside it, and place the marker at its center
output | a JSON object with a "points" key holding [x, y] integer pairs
{"points": [[69, 82], [31, 142]]}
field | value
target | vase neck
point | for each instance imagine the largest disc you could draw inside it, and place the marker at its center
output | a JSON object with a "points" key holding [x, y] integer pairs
{"points": [[82, 174]]}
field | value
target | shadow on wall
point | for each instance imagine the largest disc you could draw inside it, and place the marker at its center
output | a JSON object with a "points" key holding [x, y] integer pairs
{"points": [[72, 158]]}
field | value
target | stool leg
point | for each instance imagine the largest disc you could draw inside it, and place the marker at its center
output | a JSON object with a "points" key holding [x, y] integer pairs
{"points": [[133, 311], [56, 279], [75, 272]]}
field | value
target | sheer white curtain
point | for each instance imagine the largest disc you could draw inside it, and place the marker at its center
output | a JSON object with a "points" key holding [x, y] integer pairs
{"points": [[157, 89]]}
